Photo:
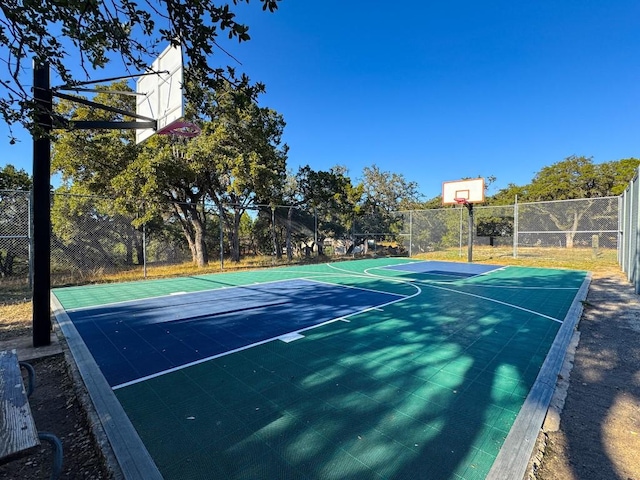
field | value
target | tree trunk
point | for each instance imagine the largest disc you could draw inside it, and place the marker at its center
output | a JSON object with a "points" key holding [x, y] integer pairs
{"points": [[289, 249], [569, 238], [194, 232], [201, 258], [129, 247], [139, 245], [320, 246]]}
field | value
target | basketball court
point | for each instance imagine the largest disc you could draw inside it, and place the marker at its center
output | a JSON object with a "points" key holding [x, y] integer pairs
{"points": [[387, 368]]}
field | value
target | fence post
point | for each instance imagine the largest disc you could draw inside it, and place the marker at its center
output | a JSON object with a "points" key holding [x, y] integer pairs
{"points": [[144, 250], [515, 228], [410, 232], [620, 226], [636, 249], [221, 242], [460, 252], [315, 230]]}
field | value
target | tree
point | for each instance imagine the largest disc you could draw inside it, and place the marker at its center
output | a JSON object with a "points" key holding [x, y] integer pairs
{"points": [[13, 179], [330, 199], [574, 178], [144, 182], [94, 162], [241, 154], [81, 36], [384, 193], [618, 174], [173, 185]]}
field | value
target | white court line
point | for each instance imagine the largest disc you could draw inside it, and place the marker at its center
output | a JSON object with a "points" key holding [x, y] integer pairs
{"points": [[382, 292], [412, 282], [522, 288], [195, 292], [494, 301], [261, 342], [469, 294]]}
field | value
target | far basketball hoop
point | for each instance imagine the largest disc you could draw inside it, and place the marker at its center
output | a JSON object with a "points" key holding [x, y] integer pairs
{"points": [[461, 192], [464, 193]]}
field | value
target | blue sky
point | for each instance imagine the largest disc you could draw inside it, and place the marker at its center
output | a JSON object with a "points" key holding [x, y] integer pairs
{"points": [[439, 91]]}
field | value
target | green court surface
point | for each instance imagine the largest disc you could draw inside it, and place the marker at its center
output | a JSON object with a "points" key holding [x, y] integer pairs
{"points": [[427, 387]]}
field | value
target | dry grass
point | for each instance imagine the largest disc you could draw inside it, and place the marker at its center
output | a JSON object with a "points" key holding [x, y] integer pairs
{"points": [[15, 306], [602, 260]]}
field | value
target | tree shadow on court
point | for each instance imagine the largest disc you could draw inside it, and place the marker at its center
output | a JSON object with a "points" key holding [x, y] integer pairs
{"points": [[423, 389], [377, 404]]}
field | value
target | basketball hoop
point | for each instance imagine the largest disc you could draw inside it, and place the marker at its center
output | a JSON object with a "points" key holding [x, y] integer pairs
{"points": [[460, 201], [179, 134], [181, 129]]}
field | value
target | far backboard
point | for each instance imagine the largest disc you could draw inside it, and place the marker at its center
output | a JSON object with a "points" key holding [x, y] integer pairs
{"points": [[470, 190], [160, 95]]}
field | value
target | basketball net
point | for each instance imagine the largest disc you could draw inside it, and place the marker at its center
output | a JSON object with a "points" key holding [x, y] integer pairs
{"points": [[179, 133], [181, 129]]}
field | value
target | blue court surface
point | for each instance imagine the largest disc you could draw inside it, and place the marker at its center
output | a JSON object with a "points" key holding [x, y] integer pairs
{"points": [[136, 339], [445, 269]]}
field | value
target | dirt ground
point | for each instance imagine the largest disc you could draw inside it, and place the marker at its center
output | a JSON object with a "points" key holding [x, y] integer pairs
{"points": [[56, 409], [598, 439], [599, 435]]}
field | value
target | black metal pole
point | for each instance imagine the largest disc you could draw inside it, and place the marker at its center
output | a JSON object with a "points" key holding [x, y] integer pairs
{"points": [[41, 206], [470, 249]]}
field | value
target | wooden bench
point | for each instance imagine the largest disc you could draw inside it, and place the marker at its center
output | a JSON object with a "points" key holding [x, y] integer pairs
{"points": [[18, 433]]}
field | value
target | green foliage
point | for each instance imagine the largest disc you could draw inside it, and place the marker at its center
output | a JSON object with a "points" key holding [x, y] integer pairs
{"points": [[384, 193], [95, 159], [92, 33], [579, 177], [14, 179]]}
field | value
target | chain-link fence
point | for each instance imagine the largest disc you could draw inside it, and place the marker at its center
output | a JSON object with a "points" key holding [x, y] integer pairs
{"points": [[89, 240], [585, 225], [14, 233], [629, 251]]}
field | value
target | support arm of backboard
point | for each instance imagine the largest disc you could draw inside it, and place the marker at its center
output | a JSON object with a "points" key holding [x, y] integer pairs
{"points": [[97, 124], [107, 108]]}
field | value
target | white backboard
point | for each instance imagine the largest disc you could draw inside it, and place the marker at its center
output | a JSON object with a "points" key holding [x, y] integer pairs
{"points": [[163, 98], [471, 190]]}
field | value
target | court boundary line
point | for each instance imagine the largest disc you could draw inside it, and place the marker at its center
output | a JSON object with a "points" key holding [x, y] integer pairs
{"points": [[496, 269], [513, 458], [305, 277], [261, 342], [438, 287], [130, 453], [500, 302], [462, 281], [384, 292], [509, 287]]}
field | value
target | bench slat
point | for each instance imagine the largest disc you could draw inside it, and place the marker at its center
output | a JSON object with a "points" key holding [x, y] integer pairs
{"points": [[17, 427]]}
